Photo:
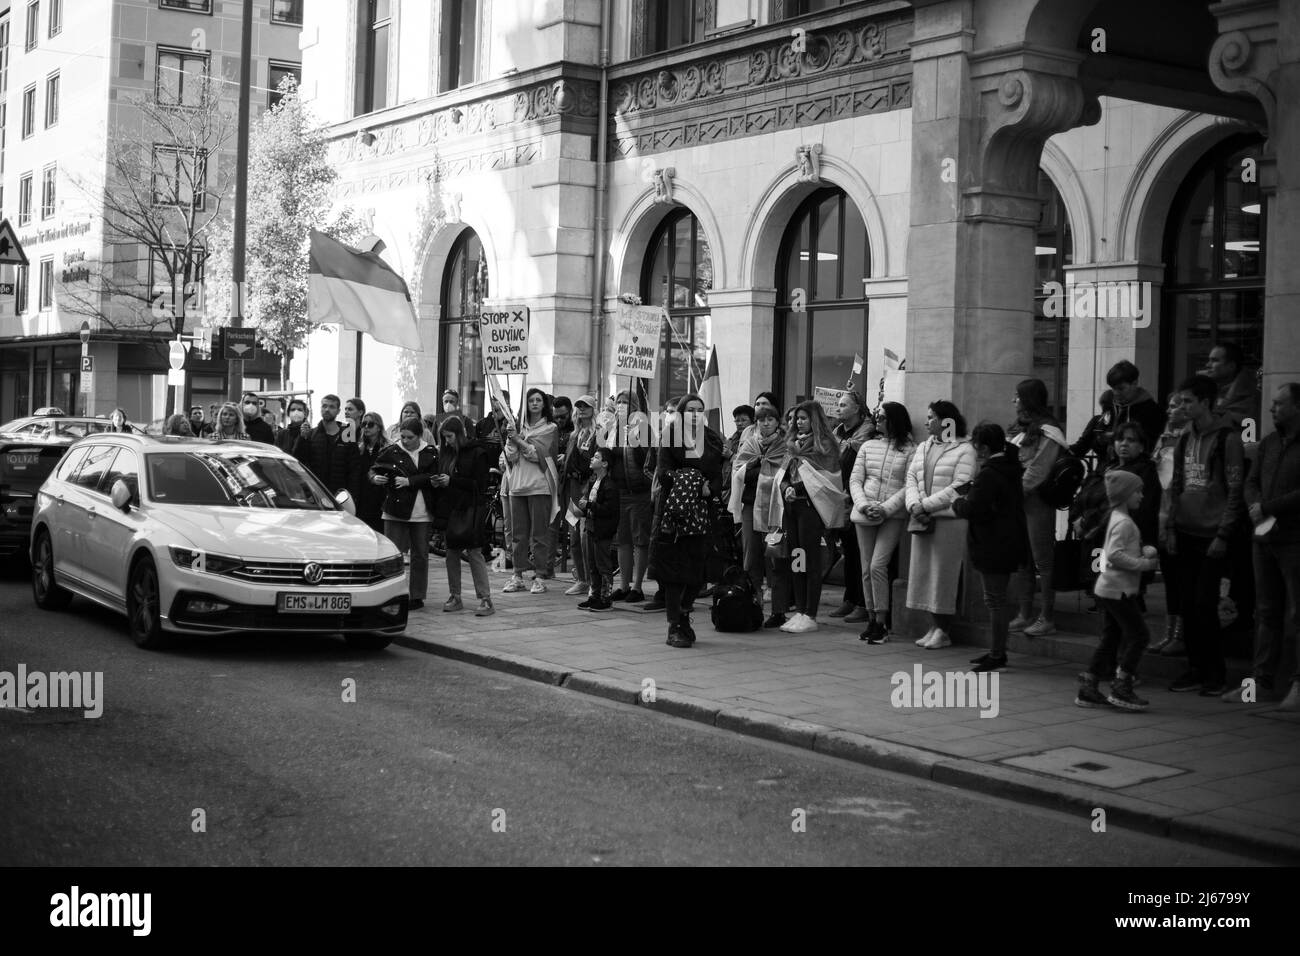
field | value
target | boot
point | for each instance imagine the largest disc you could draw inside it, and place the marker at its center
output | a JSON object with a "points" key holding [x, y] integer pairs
{"points": [[1121, 693], [688, 632], [1172, 622], [677, 637], [1175, 647], [1088, 695]]}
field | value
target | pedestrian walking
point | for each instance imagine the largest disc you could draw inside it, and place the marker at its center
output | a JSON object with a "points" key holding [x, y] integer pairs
{"points": [[941, 466], [1123, 629], [878, 486], [532, 484], [689, 473], [1040, 441], [406, 470], [463, 467], [370, 495], [810, 502], [598, 509], [230, 424], [854, 427], [997, 536]]}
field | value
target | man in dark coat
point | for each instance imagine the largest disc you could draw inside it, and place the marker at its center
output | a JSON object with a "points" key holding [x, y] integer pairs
{"points": [[997, 536], [257, 428], [324, 450], [1134, 403]]}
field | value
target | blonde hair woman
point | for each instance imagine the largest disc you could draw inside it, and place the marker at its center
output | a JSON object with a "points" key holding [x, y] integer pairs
{"points": [[230, 423]]}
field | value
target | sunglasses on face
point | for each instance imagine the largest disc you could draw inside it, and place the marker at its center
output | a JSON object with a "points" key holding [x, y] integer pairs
{"points": [[370, 424]]}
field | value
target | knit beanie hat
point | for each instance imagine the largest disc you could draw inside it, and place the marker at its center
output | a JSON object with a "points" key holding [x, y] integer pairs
{"points": [[1120, 486]]}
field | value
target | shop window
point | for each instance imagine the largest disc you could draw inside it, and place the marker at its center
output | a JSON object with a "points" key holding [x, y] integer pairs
{"points": [[678, 275], [464, 287], [1053, 251]]}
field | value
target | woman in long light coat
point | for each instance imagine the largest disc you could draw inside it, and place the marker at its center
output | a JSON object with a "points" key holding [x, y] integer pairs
{"points": [[878, 484], [941, 468]]}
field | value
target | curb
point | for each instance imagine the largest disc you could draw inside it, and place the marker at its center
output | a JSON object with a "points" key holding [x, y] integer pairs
{"points": [[973, 775]]}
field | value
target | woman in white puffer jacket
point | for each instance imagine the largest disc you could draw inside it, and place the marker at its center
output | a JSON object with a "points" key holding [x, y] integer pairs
{"points": [[878, 484], [942, 465]]}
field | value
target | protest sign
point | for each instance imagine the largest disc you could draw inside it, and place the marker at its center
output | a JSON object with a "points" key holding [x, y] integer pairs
{"points": [[636, 340], [828, 399], [504, 331]]}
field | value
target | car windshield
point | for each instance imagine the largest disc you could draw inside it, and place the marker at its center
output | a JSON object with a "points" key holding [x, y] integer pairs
{"points": [[234, 479]]}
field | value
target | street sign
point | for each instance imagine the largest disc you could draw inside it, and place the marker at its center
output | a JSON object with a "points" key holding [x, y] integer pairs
{"points": [[176, 355], [11, 251], [175, 376], [239, 344], [6, 288], [87, 383], [87, 363]]}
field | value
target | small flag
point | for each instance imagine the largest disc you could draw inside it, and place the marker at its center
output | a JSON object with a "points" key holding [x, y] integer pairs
{"points": [[493, 388], [360, 291], [857, 363], [892, 361], [711, 392], [573, 516]]}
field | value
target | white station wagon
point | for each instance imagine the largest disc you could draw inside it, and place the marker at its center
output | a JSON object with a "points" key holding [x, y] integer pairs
{"points": [[187, 535]]}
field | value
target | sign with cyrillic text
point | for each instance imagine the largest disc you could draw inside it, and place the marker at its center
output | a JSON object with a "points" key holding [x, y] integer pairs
{"points": [[636, 340]]}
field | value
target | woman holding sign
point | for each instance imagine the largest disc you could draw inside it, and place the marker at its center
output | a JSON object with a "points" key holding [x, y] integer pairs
{"points": [[532, 484]]}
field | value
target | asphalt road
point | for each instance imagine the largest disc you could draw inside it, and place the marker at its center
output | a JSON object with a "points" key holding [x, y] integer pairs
{"points": [[255, 733]]}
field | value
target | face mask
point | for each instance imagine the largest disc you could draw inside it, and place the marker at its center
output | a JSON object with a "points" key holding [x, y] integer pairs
{"points": [[297, 416], [449, 406], [250, 409]]}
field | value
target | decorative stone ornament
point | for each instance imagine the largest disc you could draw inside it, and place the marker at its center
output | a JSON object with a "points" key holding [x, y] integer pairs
{"points": [[808, 159], [663, 180], [451, 206]]}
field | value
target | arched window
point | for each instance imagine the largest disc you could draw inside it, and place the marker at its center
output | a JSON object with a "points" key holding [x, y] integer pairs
{"points": [[1214, 255], [678, 274], [821, 306], [464, 287], [1053, 251]]}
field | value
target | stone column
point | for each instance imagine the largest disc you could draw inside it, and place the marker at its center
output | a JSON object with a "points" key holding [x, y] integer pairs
{"points": [[742, 324], [978, 128], [1258, 54]]}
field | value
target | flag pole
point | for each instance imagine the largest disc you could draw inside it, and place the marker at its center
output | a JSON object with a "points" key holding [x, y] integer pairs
{"points": [[235, 367]]}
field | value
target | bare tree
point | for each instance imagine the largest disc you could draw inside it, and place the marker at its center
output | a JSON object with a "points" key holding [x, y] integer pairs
{"points": [[169, 169]]}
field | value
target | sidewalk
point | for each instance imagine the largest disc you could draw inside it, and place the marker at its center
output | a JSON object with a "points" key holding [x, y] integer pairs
{"points": [[1191, 767]]}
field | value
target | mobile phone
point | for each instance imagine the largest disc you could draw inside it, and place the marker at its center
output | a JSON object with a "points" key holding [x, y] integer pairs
{"points": [[964, 487]]}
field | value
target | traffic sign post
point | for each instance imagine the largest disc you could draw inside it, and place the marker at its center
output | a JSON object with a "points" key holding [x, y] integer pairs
{"points": [[11, 250], [238, 345]]}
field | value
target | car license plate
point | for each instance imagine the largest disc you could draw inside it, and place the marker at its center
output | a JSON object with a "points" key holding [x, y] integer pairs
{"points": [[314, 603]]}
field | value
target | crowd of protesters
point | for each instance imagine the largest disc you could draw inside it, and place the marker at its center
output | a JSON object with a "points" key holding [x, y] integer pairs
{"points": [[789, 492]]}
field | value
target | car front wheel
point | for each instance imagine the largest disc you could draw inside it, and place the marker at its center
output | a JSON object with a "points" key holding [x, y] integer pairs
{"points": [[142, 605], [49, 596]]}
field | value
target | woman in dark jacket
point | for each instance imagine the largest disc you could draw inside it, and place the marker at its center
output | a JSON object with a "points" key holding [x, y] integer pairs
{"points": [[997, 536], [286, 436], [688, 474], [370, 496], [463, 465], [406, 469]]}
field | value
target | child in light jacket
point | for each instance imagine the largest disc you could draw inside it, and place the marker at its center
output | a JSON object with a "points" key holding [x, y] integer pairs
{"points": [[1123, 629]]}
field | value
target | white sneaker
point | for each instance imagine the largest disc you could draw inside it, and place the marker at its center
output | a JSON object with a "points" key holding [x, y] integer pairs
{"points": [[789, 625], [937, 640], [539, 587], [1040, 628], [578, 587], [514, 586], [925, 638], [803, 624]]}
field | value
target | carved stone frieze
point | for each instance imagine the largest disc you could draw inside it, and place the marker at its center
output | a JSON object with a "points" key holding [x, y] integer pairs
{"points": [[517, 154], [542, 101]]}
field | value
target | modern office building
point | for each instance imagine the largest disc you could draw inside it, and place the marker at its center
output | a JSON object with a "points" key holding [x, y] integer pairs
{"points": [[71, 74], [797, 181]]}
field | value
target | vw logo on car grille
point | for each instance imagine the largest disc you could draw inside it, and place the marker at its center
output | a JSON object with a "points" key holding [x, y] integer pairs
{"points": [[313, 573]]}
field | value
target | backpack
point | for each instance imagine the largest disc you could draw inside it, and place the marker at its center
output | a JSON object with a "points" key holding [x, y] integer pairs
{"points": [[1062, 482], [735, 607]]}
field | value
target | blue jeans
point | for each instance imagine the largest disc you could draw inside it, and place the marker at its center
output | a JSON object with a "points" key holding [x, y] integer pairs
{"points": [[412, 536]]}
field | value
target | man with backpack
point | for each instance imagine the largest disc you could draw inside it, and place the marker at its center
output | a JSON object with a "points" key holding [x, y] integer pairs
{"points": [[1201, 513]]}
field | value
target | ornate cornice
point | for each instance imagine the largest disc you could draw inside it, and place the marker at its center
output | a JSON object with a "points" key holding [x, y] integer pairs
{"points": [[1240, 65]]}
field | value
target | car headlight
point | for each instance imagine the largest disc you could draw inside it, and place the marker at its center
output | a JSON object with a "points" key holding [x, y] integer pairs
{"points": [[390, 567], [203, 560]]}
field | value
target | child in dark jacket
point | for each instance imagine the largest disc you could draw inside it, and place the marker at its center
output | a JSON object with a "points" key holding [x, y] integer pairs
{"points": [[599, 508]]}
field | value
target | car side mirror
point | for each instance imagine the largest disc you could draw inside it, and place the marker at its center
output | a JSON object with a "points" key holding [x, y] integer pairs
{"points": [[121, 496], [344, 500]]}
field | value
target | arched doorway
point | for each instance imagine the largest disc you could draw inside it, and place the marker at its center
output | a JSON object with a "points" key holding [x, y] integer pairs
{"points": [[821, 311], [677, 273], [1215, 261], [464, 287]]}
